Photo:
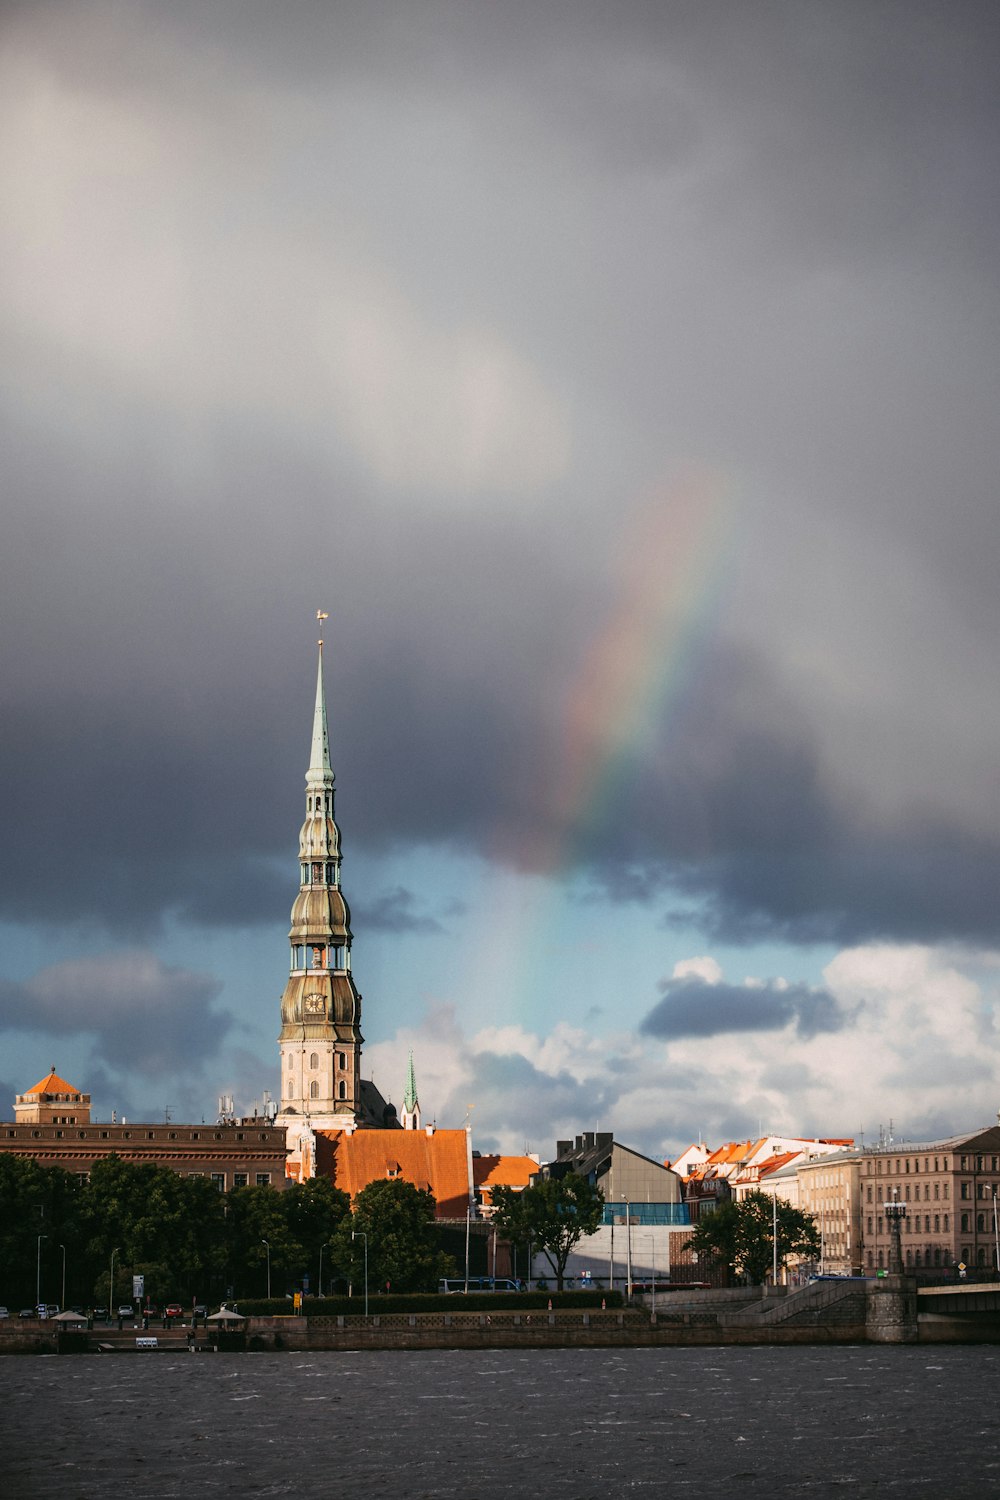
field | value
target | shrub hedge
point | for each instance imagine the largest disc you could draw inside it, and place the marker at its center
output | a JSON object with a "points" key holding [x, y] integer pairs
{"points": [[332, 1307]]}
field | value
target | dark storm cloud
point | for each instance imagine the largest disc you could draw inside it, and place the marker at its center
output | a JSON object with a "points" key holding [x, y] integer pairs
{"points": [[692, 1007], [147, 1016], [763, 236], [394, 911]]}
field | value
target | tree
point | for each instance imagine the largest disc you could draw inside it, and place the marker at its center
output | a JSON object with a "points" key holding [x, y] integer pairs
{"points": [[256, 1214], [739, 1236], [314, 1210], [553, 1215], [398, 1220]]}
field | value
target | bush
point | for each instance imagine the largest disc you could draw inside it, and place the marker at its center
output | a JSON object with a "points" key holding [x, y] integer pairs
{"points": [[332, 1307]]}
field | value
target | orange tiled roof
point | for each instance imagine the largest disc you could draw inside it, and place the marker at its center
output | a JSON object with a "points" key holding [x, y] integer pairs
{"points": [[53, 1084], [489, 1172], [503, 1171], [438, 1161]]}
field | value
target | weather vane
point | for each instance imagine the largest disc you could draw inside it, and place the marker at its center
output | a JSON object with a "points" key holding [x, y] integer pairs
{"points": [[321, 615]]}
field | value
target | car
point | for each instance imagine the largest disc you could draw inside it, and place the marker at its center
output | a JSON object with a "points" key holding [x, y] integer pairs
{"points": [[200, 1311], [27, 1312], [151, 1311], [173, 1310], [126, 1310], [4, 1313], [101, 1315], [53, 1309]]}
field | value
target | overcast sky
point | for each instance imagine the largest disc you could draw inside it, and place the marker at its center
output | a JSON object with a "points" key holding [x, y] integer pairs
{"points": [[623, 380]]}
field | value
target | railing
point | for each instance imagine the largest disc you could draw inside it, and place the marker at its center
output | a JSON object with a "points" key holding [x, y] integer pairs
{"points": [[677, 1215]]}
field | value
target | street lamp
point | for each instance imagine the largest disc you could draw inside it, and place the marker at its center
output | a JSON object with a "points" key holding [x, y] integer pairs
{"points": [[63, 1302], [111, 1290], [996, 1232], [38, 1271], [359, 1234], [321, 1249], [268, 1249], [628, 1249]]}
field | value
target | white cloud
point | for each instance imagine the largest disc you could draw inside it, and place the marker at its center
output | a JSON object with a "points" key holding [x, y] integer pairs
{"points": [[700, 968], [918, 1049]]}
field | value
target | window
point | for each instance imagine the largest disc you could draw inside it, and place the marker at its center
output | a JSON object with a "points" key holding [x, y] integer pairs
{"points": [[59, 1135], [946, 1223], [219, 1181], [342, 1090], [314, 1090], [869, 1226], [937, 1191], [965, 1254], [263, 1179], [313, 1060], [979, 1163], [240, 1179], [980, 1223], [965, 1224], [195, 1135], [937, 1225], [869, 1192], [150, 1135], [965, 1190], [945, 1193], [341, 1060]]}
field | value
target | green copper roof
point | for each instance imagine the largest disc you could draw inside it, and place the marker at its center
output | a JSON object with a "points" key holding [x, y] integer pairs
{"points": [[410, 1092]]}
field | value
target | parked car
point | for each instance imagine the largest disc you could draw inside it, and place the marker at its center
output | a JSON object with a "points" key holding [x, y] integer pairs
{"points": [[126, 1310], [101, 1314], [151, 1311], [200, 1311], [27, 1312], [4, 1313], [173, 1310]]}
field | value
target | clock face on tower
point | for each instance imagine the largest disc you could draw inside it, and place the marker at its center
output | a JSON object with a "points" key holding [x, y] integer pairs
{"points": [[314, 1005]]}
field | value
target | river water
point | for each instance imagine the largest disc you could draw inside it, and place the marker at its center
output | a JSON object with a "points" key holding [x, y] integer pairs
{"points": [[886, 1421]]}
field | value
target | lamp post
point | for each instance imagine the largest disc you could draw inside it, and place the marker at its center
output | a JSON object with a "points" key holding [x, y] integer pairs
{"points": [[38, 1271], [996, 1233], [321, 1249], [111, 1284], [267, 1247], [628, 1249], [62, 1304], [895, 1213], [359, 1234]]}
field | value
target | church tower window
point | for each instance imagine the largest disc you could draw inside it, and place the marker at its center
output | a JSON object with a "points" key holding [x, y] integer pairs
{"points": [[314, 1090], [313, 1060]]}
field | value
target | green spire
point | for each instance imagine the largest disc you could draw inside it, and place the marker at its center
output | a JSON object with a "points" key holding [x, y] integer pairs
{"points": [[410, 1092]]}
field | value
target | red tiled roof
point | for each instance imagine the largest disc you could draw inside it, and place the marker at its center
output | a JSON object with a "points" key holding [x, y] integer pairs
{"points": [[439, 1161], [53, 1084]]}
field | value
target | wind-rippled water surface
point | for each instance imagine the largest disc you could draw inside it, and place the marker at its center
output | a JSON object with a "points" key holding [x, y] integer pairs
{"points": [[565, 1423]]}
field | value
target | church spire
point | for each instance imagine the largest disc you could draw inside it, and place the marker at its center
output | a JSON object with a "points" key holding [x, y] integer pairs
{"points": [[320, 1041], [410, 1118], [319, 760]]}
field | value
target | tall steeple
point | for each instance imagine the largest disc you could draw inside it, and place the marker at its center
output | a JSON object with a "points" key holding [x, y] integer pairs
{"points": [[320, 1041], [410, 1118]]}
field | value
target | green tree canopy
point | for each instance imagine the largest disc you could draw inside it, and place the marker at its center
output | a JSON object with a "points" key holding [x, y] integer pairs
{"points": [[552, 1215], [398, 1219], [314, 1210], [739, 1236]]}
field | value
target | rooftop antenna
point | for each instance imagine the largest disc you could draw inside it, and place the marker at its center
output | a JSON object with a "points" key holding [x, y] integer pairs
{"points": [[166, 1113]]}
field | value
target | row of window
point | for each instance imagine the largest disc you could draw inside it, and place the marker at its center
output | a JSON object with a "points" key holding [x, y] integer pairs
{"points": [[150, 1135], [940, 1191], [906, 1165], [314, 1060], [912, 1226], [320, 872], [314, 1090], [240, 1179], [320, 956]]}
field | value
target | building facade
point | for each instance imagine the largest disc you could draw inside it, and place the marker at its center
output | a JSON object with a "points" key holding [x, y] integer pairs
{"points": [[54, 1128]]}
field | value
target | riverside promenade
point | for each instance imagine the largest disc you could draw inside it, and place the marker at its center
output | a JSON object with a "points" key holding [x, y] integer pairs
{"points": [[902, 1421]]}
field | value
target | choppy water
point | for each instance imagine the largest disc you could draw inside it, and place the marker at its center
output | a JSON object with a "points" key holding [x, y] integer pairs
{"points": [[562, 1423]]}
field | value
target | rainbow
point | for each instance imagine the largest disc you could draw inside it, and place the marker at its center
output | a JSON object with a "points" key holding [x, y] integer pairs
{"points": [[672, 563], [673, 560]]}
